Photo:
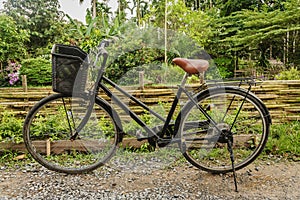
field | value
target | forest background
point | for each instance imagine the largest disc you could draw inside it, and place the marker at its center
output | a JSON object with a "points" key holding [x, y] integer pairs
{"points": [[253, 36]]}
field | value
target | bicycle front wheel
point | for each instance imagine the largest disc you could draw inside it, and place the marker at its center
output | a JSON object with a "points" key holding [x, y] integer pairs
{"points": [[50, 136], [236, 113]]}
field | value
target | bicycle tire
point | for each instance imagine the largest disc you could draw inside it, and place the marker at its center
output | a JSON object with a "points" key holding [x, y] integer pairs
{"points": [[201, 143], [50, 123]]}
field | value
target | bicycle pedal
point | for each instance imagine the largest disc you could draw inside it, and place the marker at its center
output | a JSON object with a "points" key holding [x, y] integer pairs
{"points": [[142, 138]]}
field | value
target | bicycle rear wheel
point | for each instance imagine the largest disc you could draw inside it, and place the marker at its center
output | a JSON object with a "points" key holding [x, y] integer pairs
{"points": [[51, 123], [233, 110]]}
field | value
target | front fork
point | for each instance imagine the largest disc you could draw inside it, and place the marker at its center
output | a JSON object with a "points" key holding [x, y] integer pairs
{"points": [[74, 132]]}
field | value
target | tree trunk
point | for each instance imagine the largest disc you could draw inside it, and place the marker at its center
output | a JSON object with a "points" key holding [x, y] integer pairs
{"points": [[294, 41], [166, 30], [138, 14], [94, 9], [287, 46], [284, 50], [235, 57], [1, 69]]}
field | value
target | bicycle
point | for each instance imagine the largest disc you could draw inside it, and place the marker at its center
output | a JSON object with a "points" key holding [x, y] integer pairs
{"points": [[214, 124]]}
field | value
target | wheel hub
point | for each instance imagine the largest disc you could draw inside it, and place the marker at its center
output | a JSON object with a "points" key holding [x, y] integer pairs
{"points": [[225, 134]]}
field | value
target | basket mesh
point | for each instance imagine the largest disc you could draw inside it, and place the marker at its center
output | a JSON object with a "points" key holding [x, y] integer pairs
{"points": [[68, 62]]}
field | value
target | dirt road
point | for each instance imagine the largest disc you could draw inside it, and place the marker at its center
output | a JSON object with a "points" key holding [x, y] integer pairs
{"points": [[261, 180]]}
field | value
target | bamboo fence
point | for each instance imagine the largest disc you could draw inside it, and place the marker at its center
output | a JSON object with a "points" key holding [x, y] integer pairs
{"points": [[281, 97]]}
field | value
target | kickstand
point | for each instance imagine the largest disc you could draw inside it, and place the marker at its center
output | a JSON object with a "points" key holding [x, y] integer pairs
{"points": [[229, 143]]}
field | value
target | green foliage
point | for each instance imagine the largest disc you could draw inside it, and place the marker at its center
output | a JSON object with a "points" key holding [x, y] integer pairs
{"points": [[43, 123], [253, 27], [232, 30], [10, 127], [41, 18], [125, 69], [193, 23], [85, 36], [285, 140], [133, 127], [91, 33], [143, 49], [38, 71], [224, 66], [12, 40], [291, 74], [228, 7], [257, 32]]}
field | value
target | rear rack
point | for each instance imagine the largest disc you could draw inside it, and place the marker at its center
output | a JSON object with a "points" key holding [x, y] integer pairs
{"points": [[238, 82], [233, 81]]}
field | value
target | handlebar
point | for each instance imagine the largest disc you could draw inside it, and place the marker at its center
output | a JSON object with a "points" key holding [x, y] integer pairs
{"points": [[105, 43], [101, 51], [101, 47]]}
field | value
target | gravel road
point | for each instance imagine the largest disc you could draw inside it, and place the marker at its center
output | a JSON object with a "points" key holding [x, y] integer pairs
{"points": [[261, 180]]}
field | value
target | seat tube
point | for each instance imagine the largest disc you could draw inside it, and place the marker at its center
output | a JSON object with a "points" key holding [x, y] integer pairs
{"points": [[175, 102]]}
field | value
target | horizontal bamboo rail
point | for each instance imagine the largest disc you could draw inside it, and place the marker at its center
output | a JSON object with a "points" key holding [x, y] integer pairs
{"points": [[61, 146], [281, 97], [58, 147]]}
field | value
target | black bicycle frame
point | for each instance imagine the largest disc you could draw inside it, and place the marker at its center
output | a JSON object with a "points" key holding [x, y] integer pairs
{"points": [[166, 122], [134, 116]]}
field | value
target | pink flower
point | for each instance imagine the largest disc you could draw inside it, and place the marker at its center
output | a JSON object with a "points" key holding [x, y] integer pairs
{"points": [[13, 78], [13, 72]]}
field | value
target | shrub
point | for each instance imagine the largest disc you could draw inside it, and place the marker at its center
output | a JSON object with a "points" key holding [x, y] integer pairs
{"points": [[38, 71], [224, 67], [291, 74], [125, 68], [10, 127]]}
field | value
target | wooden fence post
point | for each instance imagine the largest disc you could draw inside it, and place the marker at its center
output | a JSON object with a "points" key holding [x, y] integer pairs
{"points": [[24, 83], [141, 80], [48, 147]]}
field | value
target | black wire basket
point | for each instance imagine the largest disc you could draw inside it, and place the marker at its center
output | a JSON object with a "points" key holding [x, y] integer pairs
{"points": [[68, 64]]}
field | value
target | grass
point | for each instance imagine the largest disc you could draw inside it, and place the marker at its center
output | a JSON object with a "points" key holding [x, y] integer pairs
{"points": [[284, 140], [9, 159]]}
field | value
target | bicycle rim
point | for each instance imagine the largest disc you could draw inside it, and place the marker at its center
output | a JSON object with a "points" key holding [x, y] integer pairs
{"points": [[246, 117], [50, 124]]}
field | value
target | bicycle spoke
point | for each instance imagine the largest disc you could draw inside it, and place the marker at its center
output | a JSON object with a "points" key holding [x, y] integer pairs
{"points": [[240, 108], [47, 135], [238, 115], [68, 117]]}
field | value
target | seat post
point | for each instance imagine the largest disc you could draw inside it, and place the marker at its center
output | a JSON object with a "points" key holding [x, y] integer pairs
{"points": [[201, 77], [184, 79]]}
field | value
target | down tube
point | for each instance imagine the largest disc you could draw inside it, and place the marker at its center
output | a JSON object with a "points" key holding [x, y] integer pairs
{"points": [[127, 110]]}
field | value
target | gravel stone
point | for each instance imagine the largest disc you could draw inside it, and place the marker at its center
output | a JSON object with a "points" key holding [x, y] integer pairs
{"points": [[143, 179]]}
